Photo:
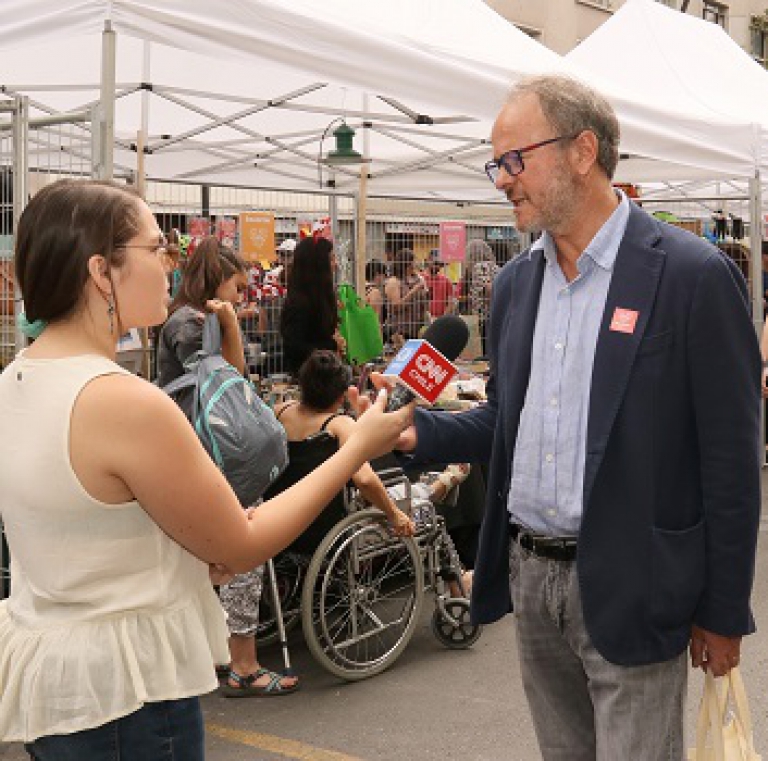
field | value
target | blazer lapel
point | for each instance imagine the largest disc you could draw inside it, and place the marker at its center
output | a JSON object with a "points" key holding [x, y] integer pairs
{"points": [[633, 288]]}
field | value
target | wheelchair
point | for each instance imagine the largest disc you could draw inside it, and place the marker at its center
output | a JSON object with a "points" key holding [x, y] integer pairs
{"points": [[359, 596]]}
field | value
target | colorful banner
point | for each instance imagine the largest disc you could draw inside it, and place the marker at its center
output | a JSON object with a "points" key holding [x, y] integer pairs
{"points": [[257, 236], [226, 230], [316, 227], [199, 227], [453, 241]]}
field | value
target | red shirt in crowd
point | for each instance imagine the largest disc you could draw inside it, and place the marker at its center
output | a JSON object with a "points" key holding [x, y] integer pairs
{"points": [[440, 293]]}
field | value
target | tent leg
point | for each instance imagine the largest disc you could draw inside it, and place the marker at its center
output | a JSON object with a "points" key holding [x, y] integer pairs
{"points": [[756, 271], [362, 241], [20, 123], [105, 164]]}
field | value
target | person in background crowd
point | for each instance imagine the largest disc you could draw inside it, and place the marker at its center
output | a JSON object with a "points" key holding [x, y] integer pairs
{"points": [[284, 254], [174, 254], [441, 292], [310, 316], [375, 275], [407, 298], [270, 298], [323, 383], [215, 281], [481, 270], [112, 625], [172, 263], [621, 428]]}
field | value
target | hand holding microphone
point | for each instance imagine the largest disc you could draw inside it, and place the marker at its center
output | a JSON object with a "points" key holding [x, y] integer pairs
{"points": [[424, 367]]}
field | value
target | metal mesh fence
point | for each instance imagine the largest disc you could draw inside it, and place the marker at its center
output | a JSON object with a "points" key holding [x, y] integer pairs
{"points": [[189, 211], [723, 220]]}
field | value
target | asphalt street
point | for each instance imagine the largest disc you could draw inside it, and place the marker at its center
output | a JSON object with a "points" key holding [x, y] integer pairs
{"points": [[432, 704]]}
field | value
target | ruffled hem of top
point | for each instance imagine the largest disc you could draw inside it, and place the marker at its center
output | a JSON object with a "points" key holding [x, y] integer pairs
{"points": [[74, 677]]}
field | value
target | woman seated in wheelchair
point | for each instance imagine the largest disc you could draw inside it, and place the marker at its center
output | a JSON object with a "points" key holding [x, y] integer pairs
{"points": [[317, 426]]}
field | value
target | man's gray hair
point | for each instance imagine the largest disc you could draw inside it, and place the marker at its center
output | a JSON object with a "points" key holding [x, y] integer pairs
{"points": [[572, 107]]}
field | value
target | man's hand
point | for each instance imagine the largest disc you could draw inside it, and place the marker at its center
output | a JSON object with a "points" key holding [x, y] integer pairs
{"points": [[714, 652]]}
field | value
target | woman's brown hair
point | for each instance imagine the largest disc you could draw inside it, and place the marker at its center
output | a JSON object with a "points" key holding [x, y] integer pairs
{"points": [[62, 227], [211, 264]]}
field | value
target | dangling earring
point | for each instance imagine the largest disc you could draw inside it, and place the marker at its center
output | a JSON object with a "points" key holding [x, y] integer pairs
{"points": [[111, 314]]}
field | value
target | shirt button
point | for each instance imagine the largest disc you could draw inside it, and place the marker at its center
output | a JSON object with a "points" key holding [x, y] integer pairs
{"points": [[551, 512], [559, 346], [549, 457], [553, 401]]}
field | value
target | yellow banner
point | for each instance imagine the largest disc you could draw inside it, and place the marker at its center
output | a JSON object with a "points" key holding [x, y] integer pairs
{"points": [[257, 236]]}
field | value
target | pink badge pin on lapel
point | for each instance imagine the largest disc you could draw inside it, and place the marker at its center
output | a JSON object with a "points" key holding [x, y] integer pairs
{"points": [[624, 320]]}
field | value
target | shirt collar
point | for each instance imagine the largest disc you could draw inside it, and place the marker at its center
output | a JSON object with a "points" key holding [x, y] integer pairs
{"points": [[603, 248]]}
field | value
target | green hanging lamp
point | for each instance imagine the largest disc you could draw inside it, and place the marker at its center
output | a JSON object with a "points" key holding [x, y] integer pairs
{"points": [[344, 152]]}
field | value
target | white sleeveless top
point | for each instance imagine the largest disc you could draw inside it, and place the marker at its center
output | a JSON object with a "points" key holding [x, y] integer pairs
{"points": [[106, 612]]}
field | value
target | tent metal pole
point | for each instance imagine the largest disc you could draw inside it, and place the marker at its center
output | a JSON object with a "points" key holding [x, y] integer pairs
{"points": [[361, 245], [20, 118], [333, 207], [360, 221], [105, 167], [756, 245], [756, 272]]}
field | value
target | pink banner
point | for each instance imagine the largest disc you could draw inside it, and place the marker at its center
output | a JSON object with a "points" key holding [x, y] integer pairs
{"points": [[199, 227], [226, 230], [453, 241]]}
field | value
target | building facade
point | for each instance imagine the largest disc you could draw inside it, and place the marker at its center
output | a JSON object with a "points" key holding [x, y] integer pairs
{"points": [[562, 24]]}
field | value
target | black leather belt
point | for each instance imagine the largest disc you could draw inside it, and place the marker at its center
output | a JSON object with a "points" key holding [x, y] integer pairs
{"points": [[547, 547]]}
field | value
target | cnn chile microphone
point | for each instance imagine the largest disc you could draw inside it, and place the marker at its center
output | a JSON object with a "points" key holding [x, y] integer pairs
{"points": [[424, 366]]}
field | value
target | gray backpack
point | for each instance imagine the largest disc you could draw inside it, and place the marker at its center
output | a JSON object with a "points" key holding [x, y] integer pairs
{"points": [[240, 433]]}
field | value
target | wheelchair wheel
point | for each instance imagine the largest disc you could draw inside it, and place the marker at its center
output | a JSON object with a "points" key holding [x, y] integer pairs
{"points": [[459, 635], [289, 576], [362, 596]]}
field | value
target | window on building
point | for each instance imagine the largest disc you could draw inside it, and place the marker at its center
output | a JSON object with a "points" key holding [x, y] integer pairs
{"points": [[716, 13], [758, 43], [531, 31]]}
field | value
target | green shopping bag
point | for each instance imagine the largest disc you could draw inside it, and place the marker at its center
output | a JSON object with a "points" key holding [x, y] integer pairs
{"points": [[359, 326]]}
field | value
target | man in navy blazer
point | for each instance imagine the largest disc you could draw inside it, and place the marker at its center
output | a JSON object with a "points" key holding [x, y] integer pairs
{"points": [[621, 430]]}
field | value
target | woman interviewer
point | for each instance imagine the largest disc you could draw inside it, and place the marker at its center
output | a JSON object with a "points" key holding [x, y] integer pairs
{"points": [[113, 511]]}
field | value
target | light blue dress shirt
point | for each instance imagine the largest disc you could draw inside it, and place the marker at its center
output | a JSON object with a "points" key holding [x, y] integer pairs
{"points": [[546, 491]]}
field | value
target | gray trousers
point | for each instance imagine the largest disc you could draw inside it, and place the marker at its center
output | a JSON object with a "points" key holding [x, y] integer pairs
{"points": [[585, 708]]}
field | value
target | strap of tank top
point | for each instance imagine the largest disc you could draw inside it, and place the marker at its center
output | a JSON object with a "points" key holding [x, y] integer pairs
{"points": [[331, 417], [287, 406]]}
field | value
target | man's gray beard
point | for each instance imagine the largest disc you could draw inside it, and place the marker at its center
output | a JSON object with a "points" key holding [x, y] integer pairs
{"points": [[532, 228]]}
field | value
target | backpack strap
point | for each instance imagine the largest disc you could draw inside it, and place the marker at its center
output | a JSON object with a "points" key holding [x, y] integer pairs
{"points": [[211, 335]]}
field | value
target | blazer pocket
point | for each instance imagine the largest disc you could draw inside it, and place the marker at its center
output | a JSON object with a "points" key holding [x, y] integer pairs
{"points": [[679, 569], [656, 343]]}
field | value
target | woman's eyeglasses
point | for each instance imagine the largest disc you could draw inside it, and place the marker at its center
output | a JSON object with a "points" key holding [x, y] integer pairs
{"points": [[155, 248]]}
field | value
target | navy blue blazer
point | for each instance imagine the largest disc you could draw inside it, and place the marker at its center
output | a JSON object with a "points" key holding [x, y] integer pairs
{"points": [[672, 472]]}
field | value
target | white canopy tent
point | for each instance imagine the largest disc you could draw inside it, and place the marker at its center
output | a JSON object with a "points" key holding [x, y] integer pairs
{"points": [[240, 91], [675, 59], [680, 62]]}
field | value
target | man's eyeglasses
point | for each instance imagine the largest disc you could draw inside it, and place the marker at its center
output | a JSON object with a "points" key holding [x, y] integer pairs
{"points": [[512, 161], [155, 248]]}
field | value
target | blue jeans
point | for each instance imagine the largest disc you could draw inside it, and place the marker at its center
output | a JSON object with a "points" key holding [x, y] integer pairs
{"points": [[167, 731]]}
